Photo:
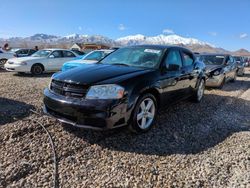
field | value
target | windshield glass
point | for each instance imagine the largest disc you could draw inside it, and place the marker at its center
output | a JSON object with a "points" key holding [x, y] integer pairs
{"points": [[14, 50], [41, 53], [96, 55], [212, 59], [237, 58], [137, 57]]}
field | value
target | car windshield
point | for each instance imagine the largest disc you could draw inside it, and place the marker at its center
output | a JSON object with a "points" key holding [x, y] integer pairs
{"points": [[212, 59], [14, 50], [135, 56], [96, 55], [41, 53], [237, 58]]}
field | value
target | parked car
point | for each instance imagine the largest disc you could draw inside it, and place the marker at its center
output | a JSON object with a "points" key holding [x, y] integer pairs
{"points": [[240, 65], [47, 60], [22, 52], [127, 87], [14, 52], [90, 58], [220, 68], [4, 56]]}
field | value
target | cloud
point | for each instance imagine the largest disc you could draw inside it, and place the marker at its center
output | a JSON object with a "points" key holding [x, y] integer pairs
{"points": [[214, 34], [168, 31], [122, 27], [243, 35]]}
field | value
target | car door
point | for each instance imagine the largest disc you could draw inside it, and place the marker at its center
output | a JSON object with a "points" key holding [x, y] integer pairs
{"points": [[169, 81], [188, 73], [67, 56], [53, 61]]}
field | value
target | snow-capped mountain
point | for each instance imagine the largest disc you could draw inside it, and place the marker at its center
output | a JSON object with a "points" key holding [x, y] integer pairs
{"points": [[75, 36], [42, 37], [45, 40], [160, 39]]}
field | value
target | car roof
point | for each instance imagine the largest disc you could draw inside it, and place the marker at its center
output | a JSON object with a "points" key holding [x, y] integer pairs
{"points": [[161, 47], [53, 49], [214, 54]]}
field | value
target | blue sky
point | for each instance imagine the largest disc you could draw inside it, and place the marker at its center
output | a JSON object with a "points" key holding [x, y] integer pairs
{"points": [[224, 23]]}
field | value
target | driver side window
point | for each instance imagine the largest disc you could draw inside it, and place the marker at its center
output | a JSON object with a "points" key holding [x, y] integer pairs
{"points": [[173, 59]]}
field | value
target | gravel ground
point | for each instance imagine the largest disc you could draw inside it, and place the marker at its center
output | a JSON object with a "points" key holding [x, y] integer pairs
{"points": [[192, 145]]}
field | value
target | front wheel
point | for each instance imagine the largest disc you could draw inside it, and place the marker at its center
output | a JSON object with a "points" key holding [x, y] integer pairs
{"points": [[199, 92], [2, 62], [144, 114], [37, 69]]}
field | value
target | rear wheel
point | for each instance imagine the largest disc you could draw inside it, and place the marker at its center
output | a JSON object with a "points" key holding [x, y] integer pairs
{"points": [[37, 69], [144, 114]]}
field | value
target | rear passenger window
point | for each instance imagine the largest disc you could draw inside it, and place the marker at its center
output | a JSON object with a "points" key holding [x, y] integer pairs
{"points": [[57, 54], [188, 59], [68, 54]]}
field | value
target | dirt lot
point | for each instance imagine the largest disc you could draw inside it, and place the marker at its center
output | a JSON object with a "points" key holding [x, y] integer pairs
{"points": [[192, 145]]}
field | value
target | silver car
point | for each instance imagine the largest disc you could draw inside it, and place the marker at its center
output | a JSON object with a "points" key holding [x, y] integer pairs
{"points": [[220, 68]]}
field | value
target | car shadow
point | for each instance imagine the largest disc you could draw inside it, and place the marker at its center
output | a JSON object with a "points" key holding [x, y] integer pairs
{"points": [[184, 128], [12, 110], [44, 75]]}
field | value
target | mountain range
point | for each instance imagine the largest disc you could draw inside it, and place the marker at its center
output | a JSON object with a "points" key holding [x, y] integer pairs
{"points": [[45, 40]]}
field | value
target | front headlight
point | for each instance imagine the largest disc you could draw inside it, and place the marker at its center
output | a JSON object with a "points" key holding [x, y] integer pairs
{"points": [[21, 63], [109, 91], [216, 73]]}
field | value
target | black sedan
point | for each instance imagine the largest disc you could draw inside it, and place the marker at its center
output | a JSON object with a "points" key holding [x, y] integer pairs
{"points": [[125, 88], [220, 68]]}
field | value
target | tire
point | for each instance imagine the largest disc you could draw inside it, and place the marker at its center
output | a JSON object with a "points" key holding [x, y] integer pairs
{"points": [[222, 83], [144, 114], [2, 62], [199, 93], [37, 69]]}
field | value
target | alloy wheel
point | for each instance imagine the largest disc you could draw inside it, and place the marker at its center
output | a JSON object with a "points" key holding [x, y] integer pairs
{"points": [[146, 113]]}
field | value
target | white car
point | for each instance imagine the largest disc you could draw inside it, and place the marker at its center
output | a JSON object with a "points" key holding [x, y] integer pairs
{"points": [[47, 60], [4, 56]]}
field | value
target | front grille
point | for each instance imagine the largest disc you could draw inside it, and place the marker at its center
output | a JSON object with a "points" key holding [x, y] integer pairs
{"points": [[68, 89]]}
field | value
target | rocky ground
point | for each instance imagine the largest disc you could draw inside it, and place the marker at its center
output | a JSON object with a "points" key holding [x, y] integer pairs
{"points": [[192, 145]]}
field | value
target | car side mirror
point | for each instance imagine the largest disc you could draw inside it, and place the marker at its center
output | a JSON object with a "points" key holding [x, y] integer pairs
{"points": [[172, 67], [51, 56]]}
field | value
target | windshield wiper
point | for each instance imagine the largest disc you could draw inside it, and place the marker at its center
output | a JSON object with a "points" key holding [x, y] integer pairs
{"points": [[120, 64]]}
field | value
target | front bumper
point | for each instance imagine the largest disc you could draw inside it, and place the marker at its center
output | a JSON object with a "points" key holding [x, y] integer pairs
{"points": [[215, 81], [90, 114], [17, 68]]}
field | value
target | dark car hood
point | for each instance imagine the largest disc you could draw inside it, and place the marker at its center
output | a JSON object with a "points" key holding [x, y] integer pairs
{"points": [[96, 73], [210, 68]]}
